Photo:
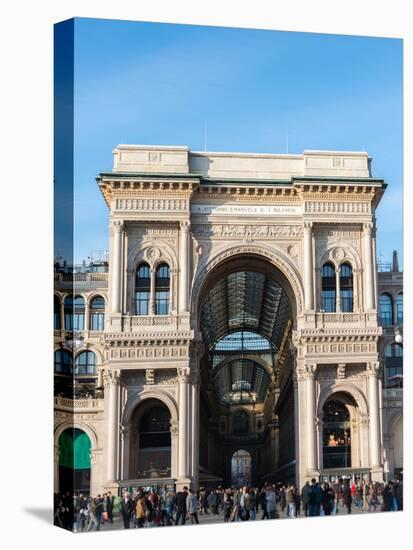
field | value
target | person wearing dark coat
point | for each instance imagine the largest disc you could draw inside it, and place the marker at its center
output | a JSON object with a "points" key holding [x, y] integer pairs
{"points": [[181, 506], [347, 498], [110, 500], [126, 509], [327, 499]]}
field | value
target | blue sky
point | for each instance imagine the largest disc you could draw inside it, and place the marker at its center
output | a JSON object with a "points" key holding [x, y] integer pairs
{"points": [[155, 83]]}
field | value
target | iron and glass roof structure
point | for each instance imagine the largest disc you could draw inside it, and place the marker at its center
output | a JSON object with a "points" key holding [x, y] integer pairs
{"points": [[244, 315]]}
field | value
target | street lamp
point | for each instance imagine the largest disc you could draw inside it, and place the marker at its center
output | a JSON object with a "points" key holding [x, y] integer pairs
{"points": [[398, 336]]}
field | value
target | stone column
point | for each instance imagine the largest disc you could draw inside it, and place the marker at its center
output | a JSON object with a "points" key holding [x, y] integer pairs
{"points": [[308, 266], [152, 293], [373, 370], [368, 267], [194, 389], [111, 380], [184, 435], [310, 414], [184, 266], [118, 227]]}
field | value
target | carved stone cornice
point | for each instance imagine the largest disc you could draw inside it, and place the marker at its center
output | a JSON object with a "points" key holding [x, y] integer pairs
{"points": [[111, 377]]}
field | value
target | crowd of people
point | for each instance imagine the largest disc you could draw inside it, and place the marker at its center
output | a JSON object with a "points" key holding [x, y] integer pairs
{"points": [[148, 507]]}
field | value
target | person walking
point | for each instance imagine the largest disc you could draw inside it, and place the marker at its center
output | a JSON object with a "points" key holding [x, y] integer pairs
{"points": [[228, 505], [347, 496], [141, 511], [305, 497], [192, 506], [270, 499], [110, 502], [314, 499], [290, 501], [327, 499], [181, 506], [126, 509]]}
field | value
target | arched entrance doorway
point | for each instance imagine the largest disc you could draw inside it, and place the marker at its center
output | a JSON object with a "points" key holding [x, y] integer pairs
{"points": [[150, 441], [241, 469], [247, 310], [74, 461]]}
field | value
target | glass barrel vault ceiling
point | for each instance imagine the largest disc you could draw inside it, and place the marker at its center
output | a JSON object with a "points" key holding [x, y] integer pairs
{"points": [[243, 313]]}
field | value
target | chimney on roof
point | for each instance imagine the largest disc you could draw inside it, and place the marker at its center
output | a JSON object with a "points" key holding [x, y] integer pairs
{"points": [[395, 262]]}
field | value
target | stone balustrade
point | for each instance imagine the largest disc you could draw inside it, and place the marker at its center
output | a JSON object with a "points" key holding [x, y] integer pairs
{"points": [[78, 405]]}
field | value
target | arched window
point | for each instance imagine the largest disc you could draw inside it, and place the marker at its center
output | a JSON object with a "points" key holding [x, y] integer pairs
{"points": [[63, 362], [162, 286], [336, 435], [386, 310], [143, 289], [399, 308], [328, 288], [56, 312], [97, 313], [346, 288], [74, 313], [85, 363]]}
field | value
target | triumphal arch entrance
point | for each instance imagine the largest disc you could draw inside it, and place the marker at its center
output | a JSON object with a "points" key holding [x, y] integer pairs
{"points": [[241, 339]]}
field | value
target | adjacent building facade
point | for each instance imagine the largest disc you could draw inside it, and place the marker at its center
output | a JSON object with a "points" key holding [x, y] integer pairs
{"points": [[240, 330]]}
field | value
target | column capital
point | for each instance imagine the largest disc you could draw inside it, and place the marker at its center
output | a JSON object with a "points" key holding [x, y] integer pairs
{"points": [[368, 227], [184, 225], [306, 371], [118, 225], [183, 374], [308, 226], [373, 368], [111, 377]]}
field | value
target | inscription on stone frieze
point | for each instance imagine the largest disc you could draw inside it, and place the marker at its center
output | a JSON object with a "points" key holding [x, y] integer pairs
{"points": [[256, 231], [247, 210]]}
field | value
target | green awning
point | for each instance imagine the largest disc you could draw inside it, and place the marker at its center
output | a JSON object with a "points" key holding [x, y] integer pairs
{"points": [[74, 449]]}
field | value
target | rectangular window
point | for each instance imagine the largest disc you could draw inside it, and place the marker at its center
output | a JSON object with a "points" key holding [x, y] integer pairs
{"points": [[142, 303], [162, 302]]}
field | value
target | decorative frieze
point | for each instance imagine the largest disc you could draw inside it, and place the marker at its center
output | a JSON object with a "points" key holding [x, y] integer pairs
{"points": [[151, 205], [174, 352], [331, 207], [253, 231]]}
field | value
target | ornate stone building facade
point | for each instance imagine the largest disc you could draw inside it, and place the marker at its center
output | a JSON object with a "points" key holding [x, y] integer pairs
{"points": [[235, 336]]}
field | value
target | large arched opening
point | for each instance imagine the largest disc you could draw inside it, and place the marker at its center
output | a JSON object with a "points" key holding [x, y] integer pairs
{"points": [[246, 311], [150, 440]]}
